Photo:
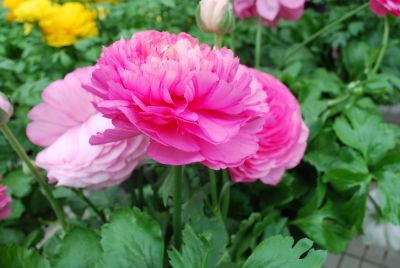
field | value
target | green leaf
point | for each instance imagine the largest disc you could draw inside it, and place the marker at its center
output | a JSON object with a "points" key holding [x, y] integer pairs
{"points": [[355, 56], [79, 248], [17, 209], [131, 239], [365, 132], [342, 179], [278, 252], [325, 154], [212, 228], [19, 257], [9, 237], [327, 228], [18, 183], [389, 189], [195, 253]]}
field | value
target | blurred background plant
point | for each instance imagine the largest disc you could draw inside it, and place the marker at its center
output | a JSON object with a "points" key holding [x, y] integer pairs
{"points": [[351, 148]]}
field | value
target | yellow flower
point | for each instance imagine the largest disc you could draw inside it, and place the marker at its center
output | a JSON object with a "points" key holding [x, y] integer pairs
{"points": [[11, 5], [68, 22], [28, 27], [32, 10]]}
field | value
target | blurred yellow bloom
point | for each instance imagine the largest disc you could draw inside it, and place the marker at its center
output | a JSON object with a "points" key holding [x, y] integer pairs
{"points": [[28, 27], [68, 22], [32, 10], [11, 5]]}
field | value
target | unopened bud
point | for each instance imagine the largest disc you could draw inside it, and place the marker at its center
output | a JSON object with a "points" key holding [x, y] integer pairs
{"points": [[6, 109], [215, 16]]}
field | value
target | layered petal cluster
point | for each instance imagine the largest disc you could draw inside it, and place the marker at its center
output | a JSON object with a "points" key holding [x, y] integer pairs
{"points": [[283, 138], [195, 103], [64, 123], [271, 11], [5, 202], [11, 5], [384, 7], [67, 23]]}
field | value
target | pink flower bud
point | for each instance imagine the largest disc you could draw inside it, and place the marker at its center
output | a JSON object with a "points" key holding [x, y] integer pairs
{"points": [[215, 16], [6, 109], [5, 202]]}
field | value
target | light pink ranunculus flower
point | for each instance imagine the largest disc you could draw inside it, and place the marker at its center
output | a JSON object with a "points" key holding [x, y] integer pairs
{"points": [[383, 7], [283, 139], [270, 11], [5, 202], [194, 102], [64, 123], [6, 109]]}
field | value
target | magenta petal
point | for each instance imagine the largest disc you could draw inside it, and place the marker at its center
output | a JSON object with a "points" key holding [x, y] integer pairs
{"points": [[291, 13], [292, 4], [162, 154], [377, 8]]}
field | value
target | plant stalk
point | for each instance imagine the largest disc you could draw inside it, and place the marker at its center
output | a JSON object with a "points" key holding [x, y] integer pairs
{"points": [[217, 40], [98, 212], [177, 207], [36, 172], [257, 48], [227, 195], [385, 41], [213, 185]]}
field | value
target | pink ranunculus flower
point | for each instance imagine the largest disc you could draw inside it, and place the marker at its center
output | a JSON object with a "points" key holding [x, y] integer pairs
{"points": [[271, 11], [283, 139], [383, 7], [195, 103], [5, 202], [64, 123]]}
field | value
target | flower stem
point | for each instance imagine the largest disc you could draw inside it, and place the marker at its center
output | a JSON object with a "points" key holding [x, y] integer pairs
{"points": [[257, 49], [324, 30], [232, 39], [227, 195], [36, 172], [214, 190], [375, 204], [385, 41], [217, 40], [98, 212], [177, 216]]}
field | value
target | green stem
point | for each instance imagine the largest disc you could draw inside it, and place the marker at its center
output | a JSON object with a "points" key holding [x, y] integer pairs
{"points": [[98, 212], [227, 195], [324, 30], [338, 100], [217, 40], [141, 190], [36, 172], [213, 186], [257, 49], [385, 41], [177, 216], [232, 39], [375, 204]]}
